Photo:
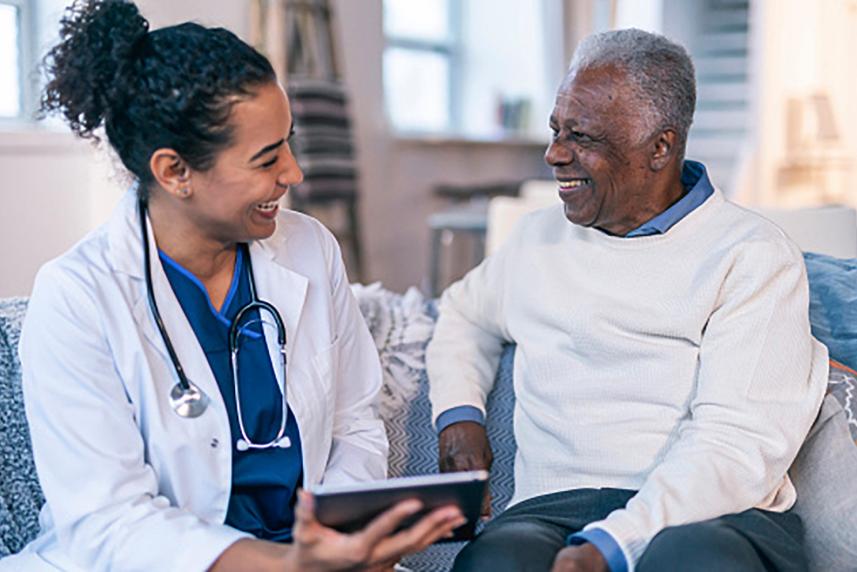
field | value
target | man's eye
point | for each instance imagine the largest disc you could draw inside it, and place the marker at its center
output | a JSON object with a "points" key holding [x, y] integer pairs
{"points": [[268, 164]]}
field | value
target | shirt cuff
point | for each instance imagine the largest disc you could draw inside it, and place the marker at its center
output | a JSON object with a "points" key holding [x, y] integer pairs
{"points": [[457, 414], [606, 545]]}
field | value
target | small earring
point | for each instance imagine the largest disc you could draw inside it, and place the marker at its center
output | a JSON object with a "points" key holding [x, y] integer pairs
{"points": [[185, 191]]}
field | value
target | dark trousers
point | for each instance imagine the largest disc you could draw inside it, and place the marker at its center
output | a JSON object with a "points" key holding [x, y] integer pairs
{"points": [[527, 537]]}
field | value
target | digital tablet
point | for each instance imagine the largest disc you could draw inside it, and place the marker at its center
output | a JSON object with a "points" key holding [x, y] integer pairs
{"points": [[349, 508]]}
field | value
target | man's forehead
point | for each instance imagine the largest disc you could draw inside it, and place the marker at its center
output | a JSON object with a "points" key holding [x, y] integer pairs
{"points": [[593, 89]]}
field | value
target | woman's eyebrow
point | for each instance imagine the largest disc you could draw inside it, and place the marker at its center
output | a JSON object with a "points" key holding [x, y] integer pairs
{"points": [[266, 149]]}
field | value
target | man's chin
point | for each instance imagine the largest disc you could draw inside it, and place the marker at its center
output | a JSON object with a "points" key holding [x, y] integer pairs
{"points": [[577, 217]]}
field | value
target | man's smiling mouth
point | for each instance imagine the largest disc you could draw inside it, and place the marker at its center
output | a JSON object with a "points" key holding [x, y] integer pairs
{"points": [[572, 184]]}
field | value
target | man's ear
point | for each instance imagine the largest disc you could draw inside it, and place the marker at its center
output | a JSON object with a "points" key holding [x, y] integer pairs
{"points": [[171, 172], [664, 149]]}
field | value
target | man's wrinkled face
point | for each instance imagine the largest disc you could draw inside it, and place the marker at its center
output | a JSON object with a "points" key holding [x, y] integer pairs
{"points": [[600, 151]]}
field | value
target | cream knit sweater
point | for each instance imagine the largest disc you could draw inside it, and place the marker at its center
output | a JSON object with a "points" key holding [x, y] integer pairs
{"points": [[679, 365]]}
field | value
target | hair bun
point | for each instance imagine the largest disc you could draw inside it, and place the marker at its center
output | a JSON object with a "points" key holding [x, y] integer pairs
{"points": [[97, 40]]}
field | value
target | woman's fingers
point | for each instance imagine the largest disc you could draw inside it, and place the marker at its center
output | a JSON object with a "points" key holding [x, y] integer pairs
{"points": [[387, 522], [305, 523], [427, 530]]}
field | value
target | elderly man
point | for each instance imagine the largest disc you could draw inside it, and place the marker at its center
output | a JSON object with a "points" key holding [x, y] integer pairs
{"points": [[665, 374]]}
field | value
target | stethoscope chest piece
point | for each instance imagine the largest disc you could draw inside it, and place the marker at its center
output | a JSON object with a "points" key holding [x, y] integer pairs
{"points": [[188, 402]]}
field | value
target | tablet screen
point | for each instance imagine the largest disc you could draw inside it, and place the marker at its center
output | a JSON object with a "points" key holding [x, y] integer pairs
{"points": [[349, 508]]}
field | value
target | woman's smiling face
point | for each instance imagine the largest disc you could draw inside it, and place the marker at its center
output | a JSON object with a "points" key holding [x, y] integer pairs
{"points": [[237, 199]]}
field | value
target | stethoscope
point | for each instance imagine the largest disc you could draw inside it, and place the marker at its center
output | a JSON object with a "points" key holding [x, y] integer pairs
{"points": [[188, 400]]}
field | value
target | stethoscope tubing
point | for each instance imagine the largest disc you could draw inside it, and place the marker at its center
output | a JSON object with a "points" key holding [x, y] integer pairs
{"points": [[187, 390]]}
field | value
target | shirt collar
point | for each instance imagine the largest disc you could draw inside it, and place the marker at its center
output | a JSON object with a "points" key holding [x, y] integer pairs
{"points": [[694, 177]]}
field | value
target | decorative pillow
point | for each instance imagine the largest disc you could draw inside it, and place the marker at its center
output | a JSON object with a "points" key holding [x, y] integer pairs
{"points": [[401, 327], [20, 494], [842, 384], [833, 305]]}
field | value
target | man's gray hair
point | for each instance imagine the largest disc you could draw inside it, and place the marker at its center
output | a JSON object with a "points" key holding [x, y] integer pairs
{"points": [[660, 72]]}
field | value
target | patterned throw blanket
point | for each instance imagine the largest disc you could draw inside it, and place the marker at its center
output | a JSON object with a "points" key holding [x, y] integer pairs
{"points": [[401, 325]]}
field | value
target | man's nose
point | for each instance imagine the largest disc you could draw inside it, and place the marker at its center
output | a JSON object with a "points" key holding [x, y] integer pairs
{"points": [[558, 154]]}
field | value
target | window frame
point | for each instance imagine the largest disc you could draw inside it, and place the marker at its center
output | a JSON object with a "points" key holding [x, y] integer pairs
{"points": [[450, 48], [27, 78]]}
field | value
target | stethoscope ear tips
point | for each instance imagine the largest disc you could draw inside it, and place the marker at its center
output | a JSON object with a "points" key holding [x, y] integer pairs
{"points": [[284, 443], [242, 445]]}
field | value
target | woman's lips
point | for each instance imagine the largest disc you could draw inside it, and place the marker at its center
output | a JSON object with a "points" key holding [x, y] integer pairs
{"points": [[268, 210]]}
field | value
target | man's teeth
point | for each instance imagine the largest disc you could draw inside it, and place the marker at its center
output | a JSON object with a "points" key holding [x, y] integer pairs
{"points": [[572, 184], [268, 206]]}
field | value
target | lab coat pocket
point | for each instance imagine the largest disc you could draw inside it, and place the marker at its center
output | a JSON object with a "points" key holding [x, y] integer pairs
{"points": [[324, 367]]}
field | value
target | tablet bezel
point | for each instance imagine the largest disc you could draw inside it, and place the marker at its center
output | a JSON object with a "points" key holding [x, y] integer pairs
{"points": [[351, 507]]}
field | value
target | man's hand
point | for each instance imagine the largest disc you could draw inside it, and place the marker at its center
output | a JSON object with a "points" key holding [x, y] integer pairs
{"points": [[582, 558], [464, 446]]}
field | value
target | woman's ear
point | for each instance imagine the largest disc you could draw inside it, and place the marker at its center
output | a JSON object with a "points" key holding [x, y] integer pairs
{"points": [[171, 172], [664, 149]]}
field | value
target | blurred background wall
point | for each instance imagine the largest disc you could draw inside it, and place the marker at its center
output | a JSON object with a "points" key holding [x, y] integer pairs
{"points": [[775, 122]]}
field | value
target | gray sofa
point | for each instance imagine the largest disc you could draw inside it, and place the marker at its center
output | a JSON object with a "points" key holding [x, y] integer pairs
{"points": [[401, 325]]}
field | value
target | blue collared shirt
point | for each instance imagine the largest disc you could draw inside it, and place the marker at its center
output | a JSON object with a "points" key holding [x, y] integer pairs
{"points": [[264, 481], [694, 177]]}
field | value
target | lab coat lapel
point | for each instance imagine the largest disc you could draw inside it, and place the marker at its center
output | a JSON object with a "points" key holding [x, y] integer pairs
{"points": [[282, 287], [126, 252]]}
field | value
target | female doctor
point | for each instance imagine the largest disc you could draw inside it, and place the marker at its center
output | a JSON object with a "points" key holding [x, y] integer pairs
{"points": [[192, 363]]}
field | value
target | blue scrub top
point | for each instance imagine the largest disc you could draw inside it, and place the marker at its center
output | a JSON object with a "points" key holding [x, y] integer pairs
{"points": [[264, 481]]}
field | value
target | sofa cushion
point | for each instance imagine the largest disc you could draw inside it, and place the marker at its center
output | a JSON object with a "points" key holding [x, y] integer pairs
{"points": [[828, 511], [825, 476], [833, 305], [20, 494]]}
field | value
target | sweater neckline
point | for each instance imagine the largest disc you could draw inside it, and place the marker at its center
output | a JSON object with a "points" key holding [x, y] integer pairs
{"points": [[699, 214]]}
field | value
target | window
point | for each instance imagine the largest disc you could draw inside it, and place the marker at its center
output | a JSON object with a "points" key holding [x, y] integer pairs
{"points": [[27, 29], [483, 69], [11, 59], [418, 63]]}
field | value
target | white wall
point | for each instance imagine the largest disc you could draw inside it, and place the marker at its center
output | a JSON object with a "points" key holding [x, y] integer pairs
{"points": [[54, 190]]}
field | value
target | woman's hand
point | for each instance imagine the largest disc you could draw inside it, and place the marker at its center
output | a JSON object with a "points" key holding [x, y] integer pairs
{"points": [[376, 547]]}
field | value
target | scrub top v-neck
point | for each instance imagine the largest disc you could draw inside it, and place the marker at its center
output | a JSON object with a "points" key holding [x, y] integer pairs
{"points": [[264, 481]]}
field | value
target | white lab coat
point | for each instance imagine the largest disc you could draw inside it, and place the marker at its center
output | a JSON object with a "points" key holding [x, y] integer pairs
{"points": [[129, 484]]}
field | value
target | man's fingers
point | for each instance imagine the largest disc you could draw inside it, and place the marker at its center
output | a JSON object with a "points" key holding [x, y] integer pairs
{"points": [[486, 503]]}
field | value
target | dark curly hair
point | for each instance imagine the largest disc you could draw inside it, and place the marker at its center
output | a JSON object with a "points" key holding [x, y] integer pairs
{"points": [[173, 87]]}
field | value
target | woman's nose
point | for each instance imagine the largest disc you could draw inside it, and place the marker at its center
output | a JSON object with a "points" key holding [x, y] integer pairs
{"points": [[292, 174]]}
